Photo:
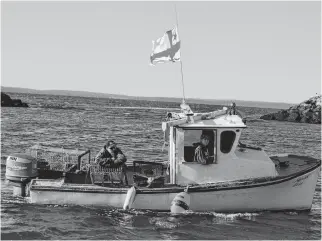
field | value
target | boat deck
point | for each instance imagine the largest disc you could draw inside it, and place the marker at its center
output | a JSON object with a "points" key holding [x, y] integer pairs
{"points": [[287, 166], [290, 164]]}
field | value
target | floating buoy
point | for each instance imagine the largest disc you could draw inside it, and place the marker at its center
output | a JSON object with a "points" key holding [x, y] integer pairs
{"points": [[180, 203], [129, 198]]}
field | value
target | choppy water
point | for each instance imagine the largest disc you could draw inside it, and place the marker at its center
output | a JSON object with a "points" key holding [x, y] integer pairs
{"points": [[75, 122]]}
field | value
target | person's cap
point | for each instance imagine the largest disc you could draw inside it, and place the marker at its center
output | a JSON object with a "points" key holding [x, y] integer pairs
{"points": [[204, 137], [108, 143]]}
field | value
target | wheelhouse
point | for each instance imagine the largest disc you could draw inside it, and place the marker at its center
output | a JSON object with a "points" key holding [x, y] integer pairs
{"points": [[224, 131]]}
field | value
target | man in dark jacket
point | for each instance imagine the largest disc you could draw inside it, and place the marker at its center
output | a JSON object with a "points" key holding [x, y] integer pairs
{"points": [[202, 153], [110, 155]]}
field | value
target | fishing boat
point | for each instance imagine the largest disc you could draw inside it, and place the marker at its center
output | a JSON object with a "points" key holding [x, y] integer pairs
{"points": [[241, 178]]}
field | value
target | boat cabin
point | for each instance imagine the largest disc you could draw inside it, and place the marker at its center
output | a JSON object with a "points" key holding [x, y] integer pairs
{"points": [[231, 160]]}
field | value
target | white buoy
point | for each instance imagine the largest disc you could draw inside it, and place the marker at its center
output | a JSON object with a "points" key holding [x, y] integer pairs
{"points": [[130, 196], [180, 203]]}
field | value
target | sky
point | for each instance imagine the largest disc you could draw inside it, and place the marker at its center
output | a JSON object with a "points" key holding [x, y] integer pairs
{"points": [[259, 51]]}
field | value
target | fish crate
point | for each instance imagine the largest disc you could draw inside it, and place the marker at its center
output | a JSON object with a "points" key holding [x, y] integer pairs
{"points": [[58, 159]]}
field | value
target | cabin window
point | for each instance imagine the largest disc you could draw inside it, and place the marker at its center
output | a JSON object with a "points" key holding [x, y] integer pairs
{"points": [[192, 140], [227, 139]]}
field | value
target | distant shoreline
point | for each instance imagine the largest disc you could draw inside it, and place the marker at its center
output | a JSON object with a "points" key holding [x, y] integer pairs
{"points": [[258, 104]]}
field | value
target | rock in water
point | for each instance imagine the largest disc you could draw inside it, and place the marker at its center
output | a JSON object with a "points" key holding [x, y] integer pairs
{"points": [[6, 101], [293, 117], [308, 111]]}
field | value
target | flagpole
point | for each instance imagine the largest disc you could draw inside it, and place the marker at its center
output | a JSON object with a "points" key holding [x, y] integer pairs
{"points": [[184, 98]]}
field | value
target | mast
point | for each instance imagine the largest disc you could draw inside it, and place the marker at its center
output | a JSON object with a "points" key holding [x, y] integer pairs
{"points": [[184, 98]]}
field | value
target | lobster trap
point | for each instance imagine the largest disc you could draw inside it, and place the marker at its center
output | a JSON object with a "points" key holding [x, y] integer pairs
{"points": [[59, 159], [148, 168], [102, 175], [148, 174]]}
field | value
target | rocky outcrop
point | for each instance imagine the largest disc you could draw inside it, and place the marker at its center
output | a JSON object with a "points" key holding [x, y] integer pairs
{"points": [[308, 111], [6, 101]]}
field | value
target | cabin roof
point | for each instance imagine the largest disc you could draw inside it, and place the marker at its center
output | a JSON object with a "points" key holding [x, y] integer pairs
{"points": [[223, 121], [215, 119]]}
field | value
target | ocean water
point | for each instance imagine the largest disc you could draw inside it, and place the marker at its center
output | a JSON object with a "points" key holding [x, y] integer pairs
{"points": [[86, 123]]}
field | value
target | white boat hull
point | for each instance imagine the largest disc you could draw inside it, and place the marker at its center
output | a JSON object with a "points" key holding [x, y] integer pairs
{"points": [[294, 193]]}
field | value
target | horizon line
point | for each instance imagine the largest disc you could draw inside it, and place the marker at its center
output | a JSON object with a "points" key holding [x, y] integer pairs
{"points": [[136, 96]]}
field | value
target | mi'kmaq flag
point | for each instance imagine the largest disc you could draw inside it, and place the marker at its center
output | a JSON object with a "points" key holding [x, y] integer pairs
{"points": [[166, 48]]}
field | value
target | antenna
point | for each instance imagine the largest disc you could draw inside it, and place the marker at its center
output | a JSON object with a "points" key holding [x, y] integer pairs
{"points": [[184, 98]]}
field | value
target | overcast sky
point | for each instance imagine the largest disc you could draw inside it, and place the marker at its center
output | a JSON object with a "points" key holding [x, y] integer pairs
{"points": [[264, 51]]}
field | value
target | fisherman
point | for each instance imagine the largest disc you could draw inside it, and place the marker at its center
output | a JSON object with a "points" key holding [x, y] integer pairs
{"points": [[110, 155], [232, 110], [202, 153]]}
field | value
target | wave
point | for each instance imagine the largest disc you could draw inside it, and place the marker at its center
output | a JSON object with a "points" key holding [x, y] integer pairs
{"points": [[59, 107], [222, 215], [188, 213], [253, 119], [235, 215]]}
